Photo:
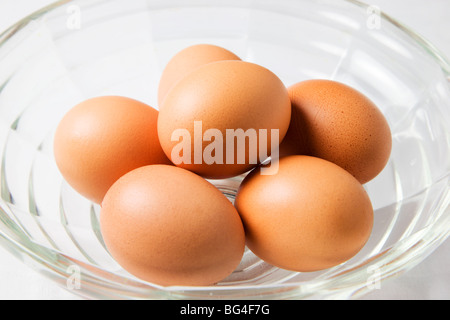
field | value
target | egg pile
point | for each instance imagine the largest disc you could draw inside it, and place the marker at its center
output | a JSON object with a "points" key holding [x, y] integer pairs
{"points": [[161, 218]]}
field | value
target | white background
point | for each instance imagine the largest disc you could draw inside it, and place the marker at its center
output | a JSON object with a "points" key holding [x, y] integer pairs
{"points": [[429, 280]]}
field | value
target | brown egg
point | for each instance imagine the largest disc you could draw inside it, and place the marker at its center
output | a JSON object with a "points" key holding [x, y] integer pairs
{"points": [[187, 61], [205, 119], [169, 226], [310, 216], [103, 138], [335, 122]]}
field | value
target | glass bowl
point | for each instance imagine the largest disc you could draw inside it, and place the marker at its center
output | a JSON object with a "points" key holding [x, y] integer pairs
{"points": [[75, 50]]}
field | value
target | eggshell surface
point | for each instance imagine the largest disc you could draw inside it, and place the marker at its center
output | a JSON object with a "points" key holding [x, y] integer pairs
{"points": [[310, 216], [335, 122], [103, 138], [186, 61], [168, 226], [221, 97]]}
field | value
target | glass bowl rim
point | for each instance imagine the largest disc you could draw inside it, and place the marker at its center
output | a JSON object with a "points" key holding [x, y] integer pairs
{"points": [[55, 265]]}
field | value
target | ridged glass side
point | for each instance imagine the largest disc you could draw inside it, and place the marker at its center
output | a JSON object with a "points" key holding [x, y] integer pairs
{"points": [[46, 68]]}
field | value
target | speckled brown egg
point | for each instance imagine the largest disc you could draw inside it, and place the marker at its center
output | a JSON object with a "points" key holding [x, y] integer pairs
{"points": [[310, 216], [168, 226], [224, 118], [103, 138], [333, 121], [186, 61]]}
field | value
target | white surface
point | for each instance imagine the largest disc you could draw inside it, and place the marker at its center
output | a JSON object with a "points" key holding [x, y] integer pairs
{"points": [[429, 280]]}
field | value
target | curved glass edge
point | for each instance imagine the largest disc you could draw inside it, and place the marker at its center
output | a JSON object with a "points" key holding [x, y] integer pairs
{"points": [[9, 32], [352, 284], [430, 48], [55, 265]]}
